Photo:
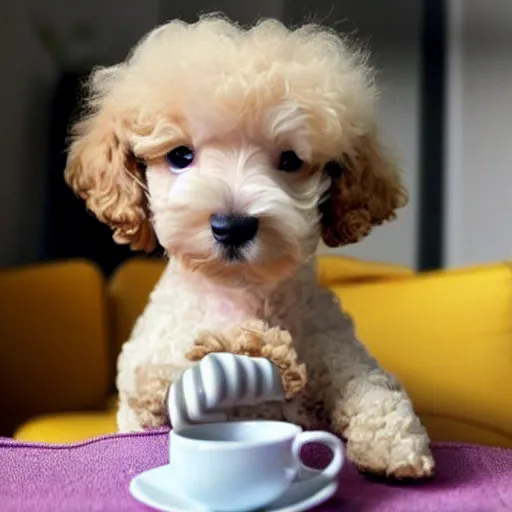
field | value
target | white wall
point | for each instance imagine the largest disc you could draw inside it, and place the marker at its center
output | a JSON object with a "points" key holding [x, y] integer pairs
{"points": [[479, 164], [394, 41]]}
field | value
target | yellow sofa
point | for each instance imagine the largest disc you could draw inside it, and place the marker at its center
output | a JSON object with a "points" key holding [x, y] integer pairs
{"points": [[447, 335]]}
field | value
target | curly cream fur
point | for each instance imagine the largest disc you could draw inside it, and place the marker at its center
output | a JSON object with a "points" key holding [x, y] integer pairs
{"points": [[239, 97]]}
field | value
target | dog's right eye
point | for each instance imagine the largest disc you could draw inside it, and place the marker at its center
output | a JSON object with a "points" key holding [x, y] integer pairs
{"points": [[180, 158]]}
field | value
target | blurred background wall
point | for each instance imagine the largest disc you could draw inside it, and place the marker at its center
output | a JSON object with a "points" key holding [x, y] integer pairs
{"points": [[46, 46], [479, 132]]}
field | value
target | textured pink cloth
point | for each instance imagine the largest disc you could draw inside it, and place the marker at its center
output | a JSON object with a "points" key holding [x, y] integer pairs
{"points": [[94, 476]]}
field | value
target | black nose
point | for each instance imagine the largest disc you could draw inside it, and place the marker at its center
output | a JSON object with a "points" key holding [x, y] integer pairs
{"points": [[233, 230]]}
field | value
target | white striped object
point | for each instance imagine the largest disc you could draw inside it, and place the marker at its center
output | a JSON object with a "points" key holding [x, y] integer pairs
{"points": [[218, 383]]}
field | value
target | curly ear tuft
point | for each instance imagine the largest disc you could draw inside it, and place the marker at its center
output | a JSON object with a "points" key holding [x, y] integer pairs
{"points": [[367, 193], [102, 171]]}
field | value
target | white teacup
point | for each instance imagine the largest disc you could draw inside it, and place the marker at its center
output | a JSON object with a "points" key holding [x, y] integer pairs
{"points": [[242, 466]]}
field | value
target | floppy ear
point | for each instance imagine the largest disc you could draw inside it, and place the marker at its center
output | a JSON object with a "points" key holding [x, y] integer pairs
{"points": [[102, 170], [365, 191]]}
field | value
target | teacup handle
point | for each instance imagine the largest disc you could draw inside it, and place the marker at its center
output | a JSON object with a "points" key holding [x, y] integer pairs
{"points": [[331, 441]]}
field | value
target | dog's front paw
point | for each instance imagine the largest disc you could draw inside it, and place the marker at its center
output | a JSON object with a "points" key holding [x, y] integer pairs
{"points": [[384, 435], [399, 456], [246, 339], [255, 338], [416, 467]]}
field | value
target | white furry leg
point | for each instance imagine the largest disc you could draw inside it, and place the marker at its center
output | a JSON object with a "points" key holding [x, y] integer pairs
{"points": [[384, 435], [143, 406]]}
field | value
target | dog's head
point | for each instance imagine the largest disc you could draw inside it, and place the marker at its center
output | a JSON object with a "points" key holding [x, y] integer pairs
{"points": [[237, 150]]}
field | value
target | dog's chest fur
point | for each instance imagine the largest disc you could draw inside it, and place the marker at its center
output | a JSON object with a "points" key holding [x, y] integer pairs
{"points": [[182, 305]]}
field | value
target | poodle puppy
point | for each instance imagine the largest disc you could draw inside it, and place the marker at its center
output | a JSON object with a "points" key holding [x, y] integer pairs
{"points": [[237, 150]]}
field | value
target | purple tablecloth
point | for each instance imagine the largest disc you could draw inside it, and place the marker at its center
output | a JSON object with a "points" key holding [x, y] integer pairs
{"points": [[94, 476]]}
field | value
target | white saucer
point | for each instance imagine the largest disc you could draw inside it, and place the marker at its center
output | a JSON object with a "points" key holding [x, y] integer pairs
{"points": [[155, 489]]}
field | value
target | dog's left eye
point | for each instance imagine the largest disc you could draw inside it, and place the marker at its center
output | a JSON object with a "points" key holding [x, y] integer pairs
{"points": [[180, 158], [289, 162]]}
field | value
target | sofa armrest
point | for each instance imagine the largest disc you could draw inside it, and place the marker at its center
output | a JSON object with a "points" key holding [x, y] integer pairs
{"points": [[447, 336], [53, 340]]}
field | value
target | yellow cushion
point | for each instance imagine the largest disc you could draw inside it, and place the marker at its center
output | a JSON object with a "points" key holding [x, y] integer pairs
{"points": [[448, 337], [333, 270], [68, 427], [54, 343]]}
